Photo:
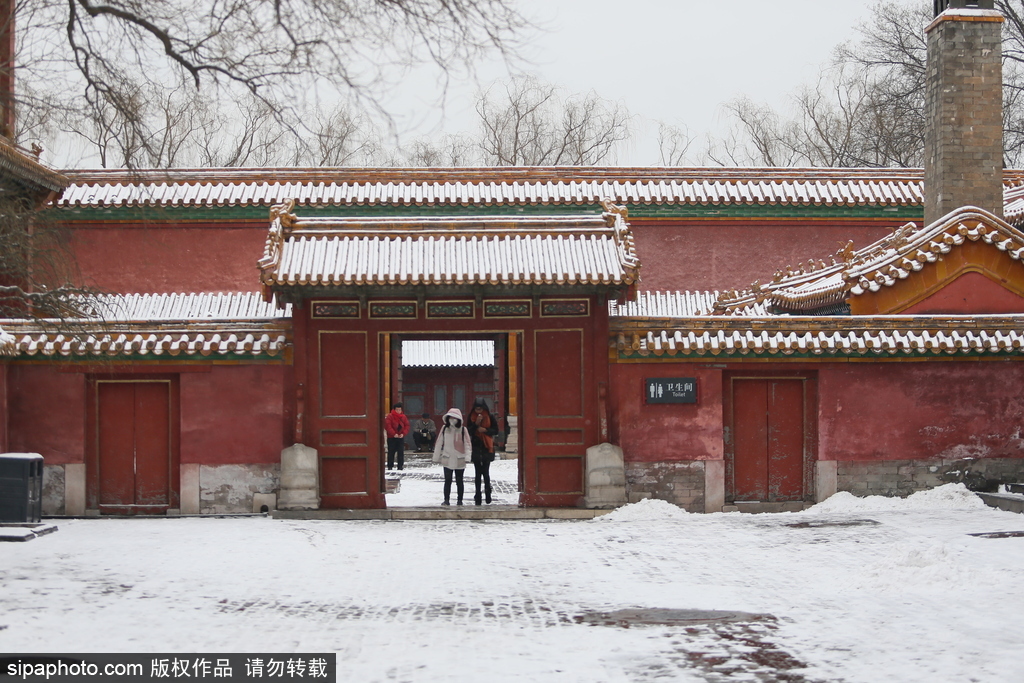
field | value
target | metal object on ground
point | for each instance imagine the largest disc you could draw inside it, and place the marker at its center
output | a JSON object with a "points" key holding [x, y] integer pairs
{"points": [[21, 487]]}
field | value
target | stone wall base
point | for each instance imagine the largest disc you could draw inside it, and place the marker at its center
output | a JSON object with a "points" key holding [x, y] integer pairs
{"points": [[226, 489], [205, 489], [680, 483], [53, 490], [904, 477]]}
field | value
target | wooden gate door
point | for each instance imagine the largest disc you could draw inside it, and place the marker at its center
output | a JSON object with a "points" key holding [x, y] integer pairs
{"points": [[554, 429], [769, 440], [347, 427], [135, 465]]}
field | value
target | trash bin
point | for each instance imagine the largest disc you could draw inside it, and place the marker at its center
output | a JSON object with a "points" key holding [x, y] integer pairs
{"points": [[21, 487]]}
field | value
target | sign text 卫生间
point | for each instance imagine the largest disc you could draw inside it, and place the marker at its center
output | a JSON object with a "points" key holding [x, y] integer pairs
{"points": [[670, 390]]}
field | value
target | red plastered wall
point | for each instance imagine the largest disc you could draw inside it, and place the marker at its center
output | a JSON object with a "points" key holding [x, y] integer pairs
{"points": [[169, 259], [233, 415], [896, 411], [46, 413], [666, 432], [699, 255]]}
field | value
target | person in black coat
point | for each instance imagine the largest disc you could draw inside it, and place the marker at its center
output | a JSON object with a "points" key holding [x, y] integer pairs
{"points": [[483, 428]]}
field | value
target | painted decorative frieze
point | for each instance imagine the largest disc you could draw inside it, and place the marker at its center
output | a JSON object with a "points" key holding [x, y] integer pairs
{"points": [[565, 308], [451, 309], [508, 308], [392, 309], [336, 309]]}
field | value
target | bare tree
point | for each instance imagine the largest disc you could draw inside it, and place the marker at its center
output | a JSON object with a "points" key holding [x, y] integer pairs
{"points": [[529, 123], [867, 109], [36, 264], [673, 144], [449, 150], [762, 138], [118, 57]]}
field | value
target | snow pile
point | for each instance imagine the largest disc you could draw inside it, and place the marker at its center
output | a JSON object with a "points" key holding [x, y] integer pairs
{"points": [[6, 342], [647, 510], [945, 497]]}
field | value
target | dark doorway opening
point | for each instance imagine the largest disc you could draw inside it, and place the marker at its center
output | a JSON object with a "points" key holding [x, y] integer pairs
{"points": [[431, 376]]}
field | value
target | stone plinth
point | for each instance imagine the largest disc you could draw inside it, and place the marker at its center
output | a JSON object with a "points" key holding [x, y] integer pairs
{"points": [[606, 477], [300, 487], [512, 442]]}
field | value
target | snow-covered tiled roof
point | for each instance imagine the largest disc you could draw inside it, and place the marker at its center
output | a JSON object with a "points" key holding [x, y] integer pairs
{"points": [[448, 353], [155, 343], [837, 337], [497, 186], [654, 304], [234, 325], [21, 166], [564, 250], [894, 257], [6, 343], [188, 306]]}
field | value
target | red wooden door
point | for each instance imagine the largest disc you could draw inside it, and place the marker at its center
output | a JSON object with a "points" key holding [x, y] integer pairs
{"points": [[347, 425], [768, 439], [134, 446]]}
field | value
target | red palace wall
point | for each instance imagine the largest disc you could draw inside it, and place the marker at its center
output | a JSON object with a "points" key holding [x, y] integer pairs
{"points": [[866, 411], [677, 254], [899, 411], [666, 432], [47, 413], [231, 414], [159, 259], [699, 254]]}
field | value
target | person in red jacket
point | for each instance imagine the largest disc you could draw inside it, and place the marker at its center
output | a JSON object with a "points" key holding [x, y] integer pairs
{"points": [[396, 424]]}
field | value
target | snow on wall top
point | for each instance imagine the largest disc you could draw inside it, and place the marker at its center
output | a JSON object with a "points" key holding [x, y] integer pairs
{"points": [[496, 186]]}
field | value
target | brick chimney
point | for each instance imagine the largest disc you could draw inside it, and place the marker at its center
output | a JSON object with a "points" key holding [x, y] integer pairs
{"points": [[7, 68], [963, 148]]}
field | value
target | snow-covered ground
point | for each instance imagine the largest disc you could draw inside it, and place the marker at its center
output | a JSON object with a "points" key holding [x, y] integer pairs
{"points": [[853, 590], [422, 483]]}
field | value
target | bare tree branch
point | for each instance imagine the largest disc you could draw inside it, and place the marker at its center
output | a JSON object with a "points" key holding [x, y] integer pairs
{"points": [[528, 123]]}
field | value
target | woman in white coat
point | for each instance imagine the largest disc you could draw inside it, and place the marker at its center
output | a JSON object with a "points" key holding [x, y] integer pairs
{"points": [[452, 448]]}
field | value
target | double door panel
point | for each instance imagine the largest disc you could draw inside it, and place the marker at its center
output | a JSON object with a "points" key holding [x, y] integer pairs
{"points": [[134, 465], [769, 439]]}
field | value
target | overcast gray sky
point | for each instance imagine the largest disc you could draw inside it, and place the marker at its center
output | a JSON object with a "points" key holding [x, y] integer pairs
{"points": [[672, 60]]}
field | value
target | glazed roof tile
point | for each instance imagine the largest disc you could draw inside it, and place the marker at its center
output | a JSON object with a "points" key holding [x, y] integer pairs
{"points": [[587, 250], [498, 186], [820, 337], [656, 304], [25, 169], [187, 306], [182, 325]]}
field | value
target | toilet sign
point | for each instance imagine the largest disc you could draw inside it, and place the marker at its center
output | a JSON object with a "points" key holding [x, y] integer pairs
{"points": [[670, 390]]}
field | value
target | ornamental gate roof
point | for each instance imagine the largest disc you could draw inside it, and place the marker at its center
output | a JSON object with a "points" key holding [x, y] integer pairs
{"points": [[852, 273], [594, 250]]}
